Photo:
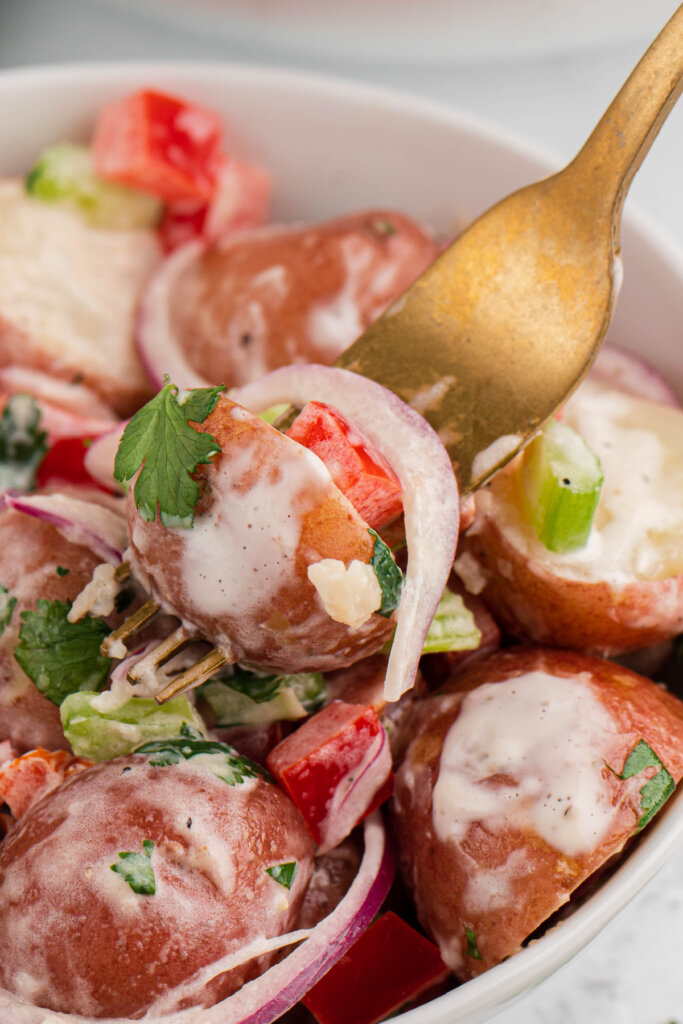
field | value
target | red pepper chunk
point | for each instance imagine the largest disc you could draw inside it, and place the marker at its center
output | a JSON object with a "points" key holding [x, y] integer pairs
{"points": [[390, 964], [160, 144], [336, 768], [64, 463], [24, 781], [357, 468]]}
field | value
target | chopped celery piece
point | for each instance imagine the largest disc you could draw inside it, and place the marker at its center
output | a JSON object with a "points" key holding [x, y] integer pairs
{"points": [[245, 698], [561, 484], [274, 413], [100, 734], [64, 174], [453, 627]]}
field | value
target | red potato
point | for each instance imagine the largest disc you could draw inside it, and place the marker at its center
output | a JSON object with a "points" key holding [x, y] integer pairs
{"points": [[30, 552], [624, 590], [77, 936], [268, 512], [277, 295], [510, 794], [68, 296]]}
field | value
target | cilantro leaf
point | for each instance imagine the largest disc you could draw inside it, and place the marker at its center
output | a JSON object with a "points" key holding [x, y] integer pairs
{"points": [[22, 443], [389, 576], [136, 869], [160, 442], [283, 874], [220, 759], [59, 656], [656, 790], [472, 947], [61, 571], [7, 603]]}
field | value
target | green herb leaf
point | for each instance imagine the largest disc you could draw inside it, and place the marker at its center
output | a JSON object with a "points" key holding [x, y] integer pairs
{"points": [[7, 603], [22, 443], [472, 947], [160, 442], [283, 873], [61, 571], [136, 869], [656, 790], [220, 759], [389, 576], [61, 657], [242, 697]]}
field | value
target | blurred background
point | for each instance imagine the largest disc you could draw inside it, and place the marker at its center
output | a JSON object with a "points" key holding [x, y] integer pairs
{"points": [[543, 69]]}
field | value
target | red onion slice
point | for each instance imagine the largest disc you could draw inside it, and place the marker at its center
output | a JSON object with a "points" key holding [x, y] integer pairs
{"points": [[157, 341], [627, 372], [80, 522], [76, 399], [267, 997], [430, 491], [101, 454]]}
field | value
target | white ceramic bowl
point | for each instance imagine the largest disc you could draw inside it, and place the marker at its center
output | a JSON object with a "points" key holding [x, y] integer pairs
{"points": [[335, 147]]}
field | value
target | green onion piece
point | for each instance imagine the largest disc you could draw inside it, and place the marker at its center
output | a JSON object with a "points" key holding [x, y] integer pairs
{"points": [[561, 484], [274, 413], [100, 734], [64, 175], [246, 698], [453, 627]]}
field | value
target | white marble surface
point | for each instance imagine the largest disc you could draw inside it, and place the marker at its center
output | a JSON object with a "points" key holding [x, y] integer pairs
{"points": [[632, 973]]}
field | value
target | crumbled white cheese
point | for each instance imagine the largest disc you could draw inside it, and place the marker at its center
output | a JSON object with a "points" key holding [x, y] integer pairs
{"points": [[348, 595], [99, 596]]}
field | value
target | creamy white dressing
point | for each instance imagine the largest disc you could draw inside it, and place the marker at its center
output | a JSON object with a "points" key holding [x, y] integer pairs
{"points": [[335, 323], [498, 451], [527, 753], [98, 597], [349, 595], [242, 552]]}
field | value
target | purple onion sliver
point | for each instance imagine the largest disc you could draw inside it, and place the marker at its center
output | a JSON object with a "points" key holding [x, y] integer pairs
{"points": [[79, 522]]}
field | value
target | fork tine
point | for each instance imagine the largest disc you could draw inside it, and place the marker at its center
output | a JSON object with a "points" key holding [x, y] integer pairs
{"points": [[194, 675], [113, 646], [161, 653]]}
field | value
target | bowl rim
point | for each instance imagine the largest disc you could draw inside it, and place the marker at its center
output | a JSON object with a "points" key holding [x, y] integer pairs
{"points": [[490, 992]]}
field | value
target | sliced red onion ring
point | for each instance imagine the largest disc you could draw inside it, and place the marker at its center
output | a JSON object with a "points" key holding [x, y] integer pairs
{"points": [[80, 522], [267, 997], [430, 491], [100, 456], [76, 399], [627, 372], [157, 341]]}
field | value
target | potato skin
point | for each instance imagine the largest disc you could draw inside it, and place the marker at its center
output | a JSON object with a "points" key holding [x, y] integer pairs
{"points": [[287, 627], [438, 872], [30, 551], [537, 605], [76, 938], [248, 304]]}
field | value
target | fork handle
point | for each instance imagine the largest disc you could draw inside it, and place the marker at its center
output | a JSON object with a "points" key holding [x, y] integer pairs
{"points": [[620, 141]]}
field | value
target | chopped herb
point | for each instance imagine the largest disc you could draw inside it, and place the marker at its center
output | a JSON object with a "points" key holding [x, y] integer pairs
{"points": [[656, 790], [283, 873], [472, 947], [220, 759], [59, 656], [7, 603], [61, 571], [160, 442], [22, 443], [389, 576], [136, 869], [381, 227]]}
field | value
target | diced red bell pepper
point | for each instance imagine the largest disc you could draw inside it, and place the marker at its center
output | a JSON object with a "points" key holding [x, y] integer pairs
{"points": [[336, 768], [160, 144], [24, 781], [64, 463], [355, 465], [240, 201], [389, 965]]}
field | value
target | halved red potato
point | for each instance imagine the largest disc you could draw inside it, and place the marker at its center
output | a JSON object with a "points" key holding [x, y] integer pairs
{"points": [[68, 296], [624, 589], [268, 512], [277, 295], [136, 873], [510, 794], [31, 553]]}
